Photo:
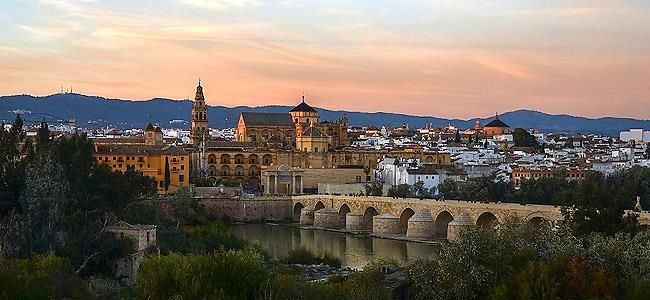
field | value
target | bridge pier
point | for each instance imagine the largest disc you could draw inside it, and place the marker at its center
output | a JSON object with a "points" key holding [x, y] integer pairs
{"points": [[421, 225], [457, 225], [327, 218], [385, 224], [353, 222], [307, 216]]}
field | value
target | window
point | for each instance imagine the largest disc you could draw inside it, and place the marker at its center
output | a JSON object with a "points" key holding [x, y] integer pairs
{"points": [[182, 167], [316, 149], [181, 178]]}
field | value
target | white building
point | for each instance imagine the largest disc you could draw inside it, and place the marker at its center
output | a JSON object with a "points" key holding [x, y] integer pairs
{"points": [[428, 176], [636, 134]]}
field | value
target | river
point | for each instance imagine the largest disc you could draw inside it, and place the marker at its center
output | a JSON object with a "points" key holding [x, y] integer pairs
{"points": [[354, 250]]}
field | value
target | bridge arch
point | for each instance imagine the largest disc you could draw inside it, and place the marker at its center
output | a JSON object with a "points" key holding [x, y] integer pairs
{"points": [[297, 209], [442, 222], [343, 211], [404, 217], [368, 214], [319, 205], [487, 219]]}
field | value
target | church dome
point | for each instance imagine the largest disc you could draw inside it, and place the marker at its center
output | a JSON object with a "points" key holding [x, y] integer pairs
{"points": [[497, 123], [303, 107]]}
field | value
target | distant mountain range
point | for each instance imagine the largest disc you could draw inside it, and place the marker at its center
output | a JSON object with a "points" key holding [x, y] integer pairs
{"points": [[93, 111]]}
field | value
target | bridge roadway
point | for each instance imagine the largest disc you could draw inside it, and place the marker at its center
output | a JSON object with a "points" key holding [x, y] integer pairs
{"points": [[414, 218]]}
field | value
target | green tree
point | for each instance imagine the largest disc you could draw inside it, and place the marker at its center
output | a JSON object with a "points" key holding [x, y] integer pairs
{"points": [[449, 189], [167, 174], [399, 191], [523, 138], [374, 188], [593, 206], [44, 202], [418, 190]]}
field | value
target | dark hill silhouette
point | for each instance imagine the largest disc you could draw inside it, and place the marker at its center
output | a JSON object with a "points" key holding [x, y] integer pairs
{"points": [[93, 111]]}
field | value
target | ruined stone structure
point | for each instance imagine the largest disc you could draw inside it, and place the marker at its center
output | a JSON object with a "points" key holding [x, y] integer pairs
{"points": [[143, 238]]}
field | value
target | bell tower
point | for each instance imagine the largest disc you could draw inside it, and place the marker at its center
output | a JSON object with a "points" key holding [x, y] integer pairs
{"points": [[200, 128]]}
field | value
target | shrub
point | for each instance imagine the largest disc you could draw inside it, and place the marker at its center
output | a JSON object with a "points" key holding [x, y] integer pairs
{"points": [[216, 275], [306, 257]]}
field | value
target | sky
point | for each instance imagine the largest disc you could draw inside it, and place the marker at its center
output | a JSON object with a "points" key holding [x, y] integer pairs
{"points": [[448, 58]]}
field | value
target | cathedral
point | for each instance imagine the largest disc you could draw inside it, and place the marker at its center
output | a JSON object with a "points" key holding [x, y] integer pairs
{"points": [[287, 153], [300, 129]]}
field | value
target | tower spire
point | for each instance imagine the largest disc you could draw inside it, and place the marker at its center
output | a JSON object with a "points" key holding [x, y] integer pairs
{"points": [[303, 97]]}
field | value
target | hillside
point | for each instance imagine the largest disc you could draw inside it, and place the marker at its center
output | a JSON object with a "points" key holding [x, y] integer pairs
{"points": [[93, 111]]}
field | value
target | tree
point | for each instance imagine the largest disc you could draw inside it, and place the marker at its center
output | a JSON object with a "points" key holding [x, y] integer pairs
{"points": [[167, 174], [448, 188], [43, 137], [12, 167], [594, 206], [523, 138], [457, 137], [187, 209], [44, 202], [375, 188], [418, 190], [399, 191]]}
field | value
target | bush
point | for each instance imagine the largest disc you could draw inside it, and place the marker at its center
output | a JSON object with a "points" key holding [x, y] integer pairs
{"points": [[216, 275], [41, 277], [199, 239], [521, 262], [305, 257]]}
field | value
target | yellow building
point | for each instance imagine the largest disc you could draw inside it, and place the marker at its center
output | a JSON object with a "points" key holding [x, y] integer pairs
{"points": [[149, 157]]}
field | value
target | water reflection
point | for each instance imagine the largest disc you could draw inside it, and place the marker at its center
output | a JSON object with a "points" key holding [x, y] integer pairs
{"points": [[354, 250]]}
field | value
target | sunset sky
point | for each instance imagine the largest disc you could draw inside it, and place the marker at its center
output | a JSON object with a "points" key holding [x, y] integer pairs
{"points": [[449, 58]]}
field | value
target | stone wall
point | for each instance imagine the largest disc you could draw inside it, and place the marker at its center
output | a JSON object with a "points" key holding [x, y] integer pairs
{"points": [[312, 177], [257, 209], [341, 188]]}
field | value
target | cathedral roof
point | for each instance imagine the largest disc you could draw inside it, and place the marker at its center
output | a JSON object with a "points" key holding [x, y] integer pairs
{"points": [[313, 132], [149, 127], [497, 123], [303, 107], [267, 119]]}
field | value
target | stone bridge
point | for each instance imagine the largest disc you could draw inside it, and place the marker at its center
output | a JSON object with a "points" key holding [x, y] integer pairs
{"points": [[411, 218]]}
